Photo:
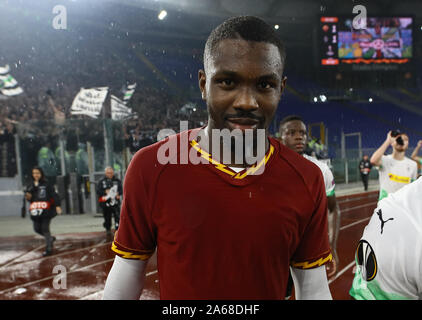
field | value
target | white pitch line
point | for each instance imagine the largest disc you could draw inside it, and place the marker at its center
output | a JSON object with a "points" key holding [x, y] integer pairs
{"points": [[73, 267], [96, 292], [64, 253], [357, 207], [151, 273], [351, 264], [14, 259], [354, 223], [53, 276]]}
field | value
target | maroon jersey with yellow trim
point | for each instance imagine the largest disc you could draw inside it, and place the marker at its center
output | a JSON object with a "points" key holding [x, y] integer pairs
{"points": [[221, 234]]}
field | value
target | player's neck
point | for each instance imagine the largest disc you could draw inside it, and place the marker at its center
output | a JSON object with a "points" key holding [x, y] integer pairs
{"points": [[205, 140], [398, 155]]}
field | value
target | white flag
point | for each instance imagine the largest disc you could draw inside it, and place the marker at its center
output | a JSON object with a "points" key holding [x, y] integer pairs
{"points": [[8, 85], [119, 110], [4, 70], [12, 91], [8, 81], [128, 93], [89, 101]]}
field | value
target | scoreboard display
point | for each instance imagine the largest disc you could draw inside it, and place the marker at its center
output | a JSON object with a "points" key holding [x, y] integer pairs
{"points": [[383, 41]]}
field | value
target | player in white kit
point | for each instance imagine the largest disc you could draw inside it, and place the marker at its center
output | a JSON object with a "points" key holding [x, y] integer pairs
{"points": [[389, 254], [293, 135], [395, 170]]}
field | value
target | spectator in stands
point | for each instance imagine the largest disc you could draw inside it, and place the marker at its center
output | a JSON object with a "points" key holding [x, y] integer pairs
{"points": [[132, 141], [7, 143], [415, 156], [365, 167], [395, 170]]}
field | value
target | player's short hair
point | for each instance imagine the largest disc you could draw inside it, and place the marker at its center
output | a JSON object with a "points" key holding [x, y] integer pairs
{"points": [[289, 118], [248, 28]]}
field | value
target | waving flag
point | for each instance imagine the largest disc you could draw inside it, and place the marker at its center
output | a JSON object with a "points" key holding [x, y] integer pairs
{"points": [[119, 110], [89, 101], [128, 93], [8, 85]]}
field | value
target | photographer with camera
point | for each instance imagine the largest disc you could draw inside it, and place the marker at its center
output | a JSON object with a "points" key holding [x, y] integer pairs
{"points": [[44, 206], [109, 191], [395, 170]]}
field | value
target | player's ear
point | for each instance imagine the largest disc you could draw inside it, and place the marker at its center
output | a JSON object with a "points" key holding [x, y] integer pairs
{"points": [[202, 80]]}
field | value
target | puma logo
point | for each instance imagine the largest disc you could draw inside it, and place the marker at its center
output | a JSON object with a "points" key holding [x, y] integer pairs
{"points": [[379, 213]]}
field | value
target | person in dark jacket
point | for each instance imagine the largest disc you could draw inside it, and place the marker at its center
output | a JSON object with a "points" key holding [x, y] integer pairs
{"points": [[109, 191], [365, 167], [44, 206]]}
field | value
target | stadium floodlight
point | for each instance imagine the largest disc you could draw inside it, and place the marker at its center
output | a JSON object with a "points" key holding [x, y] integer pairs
{"points": [[323, 98], [162, 14], [370, 100], [315, 99], [276, 26]]}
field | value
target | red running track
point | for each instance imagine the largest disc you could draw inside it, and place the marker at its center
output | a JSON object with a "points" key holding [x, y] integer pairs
{"points": [[87, 258]]}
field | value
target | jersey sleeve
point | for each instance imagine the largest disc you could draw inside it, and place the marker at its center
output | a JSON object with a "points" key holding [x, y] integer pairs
{"points": [[329, 182], [388, 256], [314, 248], [136, 236]]}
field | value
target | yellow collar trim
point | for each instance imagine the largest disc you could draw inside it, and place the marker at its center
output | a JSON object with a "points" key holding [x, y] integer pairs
{"points": [[224, 168]]}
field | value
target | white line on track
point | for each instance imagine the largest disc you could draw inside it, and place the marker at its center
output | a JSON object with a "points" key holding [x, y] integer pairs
{"points": [[73, 267], [151, 273], [14, 259], [64, 253], [358, 207], [102, 290], [354, 223], [84, 257], [351, 264], [51, 277]]}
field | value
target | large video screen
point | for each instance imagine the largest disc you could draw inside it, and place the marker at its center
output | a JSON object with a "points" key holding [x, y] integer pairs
{"points": [[383, 41]]}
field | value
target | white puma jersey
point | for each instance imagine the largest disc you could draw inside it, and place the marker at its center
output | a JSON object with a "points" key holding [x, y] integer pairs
{"points": [[389, 254], [326, 173]]}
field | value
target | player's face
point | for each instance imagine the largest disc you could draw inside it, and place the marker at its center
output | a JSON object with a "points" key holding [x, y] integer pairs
{"points": [[242, 84], [399, 147], [293, 135], [109, 173], [36, 175]]}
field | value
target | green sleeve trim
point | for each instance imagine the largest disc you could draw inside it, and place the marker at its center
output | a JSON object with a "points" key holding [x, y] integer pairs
{"points": [[331, 193], [383, 194], [371, 290]]}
